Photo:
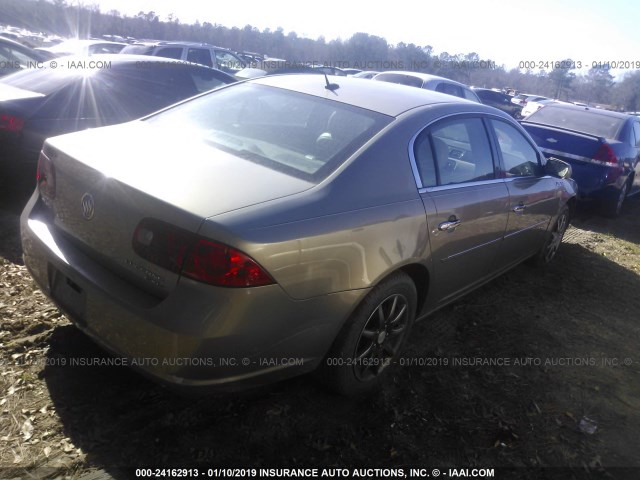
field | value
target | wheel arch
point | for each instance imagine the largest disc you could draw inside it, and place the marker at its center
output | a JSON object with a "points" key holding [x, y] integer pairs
{"points": [[419, 274]]}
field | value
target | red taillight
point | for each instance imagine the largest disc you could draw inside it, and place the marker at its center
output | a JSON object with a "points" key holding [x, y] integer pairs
{"points": [[218, 264], [195, 257], [11, 123], [606, 155], [46, 178]]}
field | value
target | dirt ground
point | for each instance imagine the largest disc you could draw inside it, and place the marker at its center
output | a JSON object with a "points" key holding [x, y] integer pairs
{"points": [[539, 368]]}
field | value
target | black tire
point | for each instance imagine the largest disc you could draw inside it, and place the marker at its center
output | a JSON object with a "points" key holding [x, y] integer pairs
{"points": [[614, 206], [554, 238], [372, 338]]}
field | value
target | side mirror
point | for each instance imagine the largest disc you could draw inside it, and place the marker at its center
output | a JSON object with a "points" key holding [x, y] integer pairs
{"points": [[558, 168]]}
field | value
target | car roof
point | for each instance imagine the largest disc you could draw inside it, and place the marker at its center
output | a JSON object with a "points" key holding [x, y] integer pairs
{"points": [[384, 97], [162, 43], [89, 41]]}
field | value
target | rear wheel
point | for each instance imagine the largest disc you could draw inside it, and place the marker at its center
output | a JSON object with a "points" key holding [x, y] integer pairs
{"points": [[614, 207], [370, 342]]}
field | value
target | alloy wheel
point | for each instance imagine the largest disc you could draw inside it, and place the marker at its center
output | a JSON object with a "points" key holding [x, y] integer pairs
{"points": [[381, 337]]}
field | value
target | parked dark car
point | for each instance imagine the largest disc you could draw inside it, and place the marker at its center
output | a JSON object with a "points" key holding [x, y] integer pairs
{"points": [[201, 53], [603, 148], [87, 92], [303, 226], [15, 57], [499, 100]]}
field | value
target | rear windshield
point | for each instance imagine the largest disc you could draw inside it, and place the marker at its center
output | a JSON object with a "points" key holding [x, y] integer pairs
{"points": [[297, 134], [137, 50], [586, 121], [42, 80], [400, 78]]}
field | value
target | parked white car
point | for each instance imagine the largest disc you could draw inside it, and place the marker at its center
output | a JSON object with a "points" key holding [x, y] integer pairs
{"points": [[533, 106], [522, 98]]}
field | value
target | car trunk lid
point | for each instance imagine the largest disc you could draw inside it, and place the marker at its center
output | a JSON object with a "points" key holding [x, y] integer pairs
{"points": [[567, 145], [108, 180]]}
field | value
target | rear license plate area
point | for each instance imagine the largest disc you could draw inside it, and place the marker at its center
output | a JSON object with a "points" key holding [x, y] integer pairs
{"points": [[68, 294]]}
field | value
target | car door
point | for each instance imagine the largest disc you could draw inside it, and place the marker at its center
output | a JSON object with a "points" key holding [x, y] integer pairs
{"points": [[465, 202], [533, 195]]}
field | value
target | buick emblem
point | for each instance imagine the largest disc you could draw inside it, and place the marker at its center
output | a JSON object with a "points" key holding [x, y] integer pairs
{"points": [[88, 207]]}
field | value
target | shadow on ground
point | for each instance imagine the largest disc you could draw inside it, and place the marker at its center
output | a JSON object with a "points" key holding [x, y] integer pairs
{"points": [[440, 407], [625, 226]]}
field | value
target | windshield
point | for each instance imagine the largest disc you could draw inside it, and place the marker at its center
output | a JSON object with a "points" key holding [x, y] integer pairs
{"points": [[300, 135], [586, 121]]}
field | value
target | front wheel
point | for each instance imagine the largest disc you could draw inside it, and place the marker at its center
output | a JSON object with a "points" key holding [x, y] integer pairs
{"points": [[369, 344], [548, 251]]}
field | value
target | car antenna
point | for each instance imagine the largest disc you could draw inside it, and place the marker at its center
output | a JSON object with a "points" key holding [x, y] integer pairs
{"points": [[331, 86]]}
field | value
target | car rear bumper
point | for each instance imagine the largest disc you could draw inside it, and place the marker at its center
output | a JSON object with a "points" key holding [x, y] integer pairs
{"points": [[199, 335]]}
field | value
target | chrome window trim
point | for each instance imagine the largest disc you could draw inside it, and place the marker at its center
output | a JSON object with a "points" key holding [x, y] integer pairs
{"points": [[526, 177], [451, 186], [412, 157]]}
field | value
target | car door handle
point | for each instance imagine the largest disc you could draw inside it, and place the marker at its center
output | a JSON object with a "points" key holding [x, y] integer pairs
{"points": [[450, 224], [519, 208]]}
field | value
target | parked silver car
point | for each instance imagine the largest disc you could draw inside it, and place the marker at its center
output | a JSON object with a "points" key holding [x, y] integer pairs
{"points": [[286, 224], [430, 82]]}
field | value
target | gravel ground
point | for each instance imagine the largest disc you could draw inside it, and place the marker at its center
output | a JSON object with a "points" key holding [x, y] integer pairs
{"points": [[569, 396]]}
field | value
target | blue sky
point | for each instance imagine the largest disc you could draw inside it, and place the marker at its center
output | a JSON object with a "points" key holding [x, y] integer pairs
{"points": [[506, 31]]}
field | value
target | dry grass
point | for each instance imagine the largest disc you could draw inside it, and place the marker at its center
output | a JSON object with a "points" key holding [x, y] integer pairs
{"points": [[56, 420]]}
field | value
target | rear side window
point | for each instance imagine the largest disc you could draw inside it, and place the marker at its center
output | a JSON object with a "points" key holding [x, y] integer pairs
{"points": [[201, 56], [449, 89], [469, 95], [170, 52], [228, 62], [205, 79], [519, 157], [454, 151]]}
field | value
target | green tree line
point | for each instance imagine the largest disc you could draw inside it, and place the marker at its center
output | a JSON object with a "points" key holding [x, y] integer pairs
{"points": [[361, 50]]}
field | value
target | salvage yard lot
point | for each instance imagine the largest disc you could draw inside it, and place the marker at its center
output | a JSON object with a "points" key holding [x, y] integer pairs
{"points": [[539, 368]]}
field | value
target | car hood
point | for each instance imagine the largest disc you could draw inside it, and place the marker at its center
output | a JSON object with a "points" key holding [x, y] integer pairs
{"points": [[177, 168]]}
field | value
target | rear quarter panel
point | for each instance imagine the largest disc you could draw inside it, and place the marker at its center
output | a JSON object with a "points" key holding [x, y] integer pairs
{"points": [[355, 228]]}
